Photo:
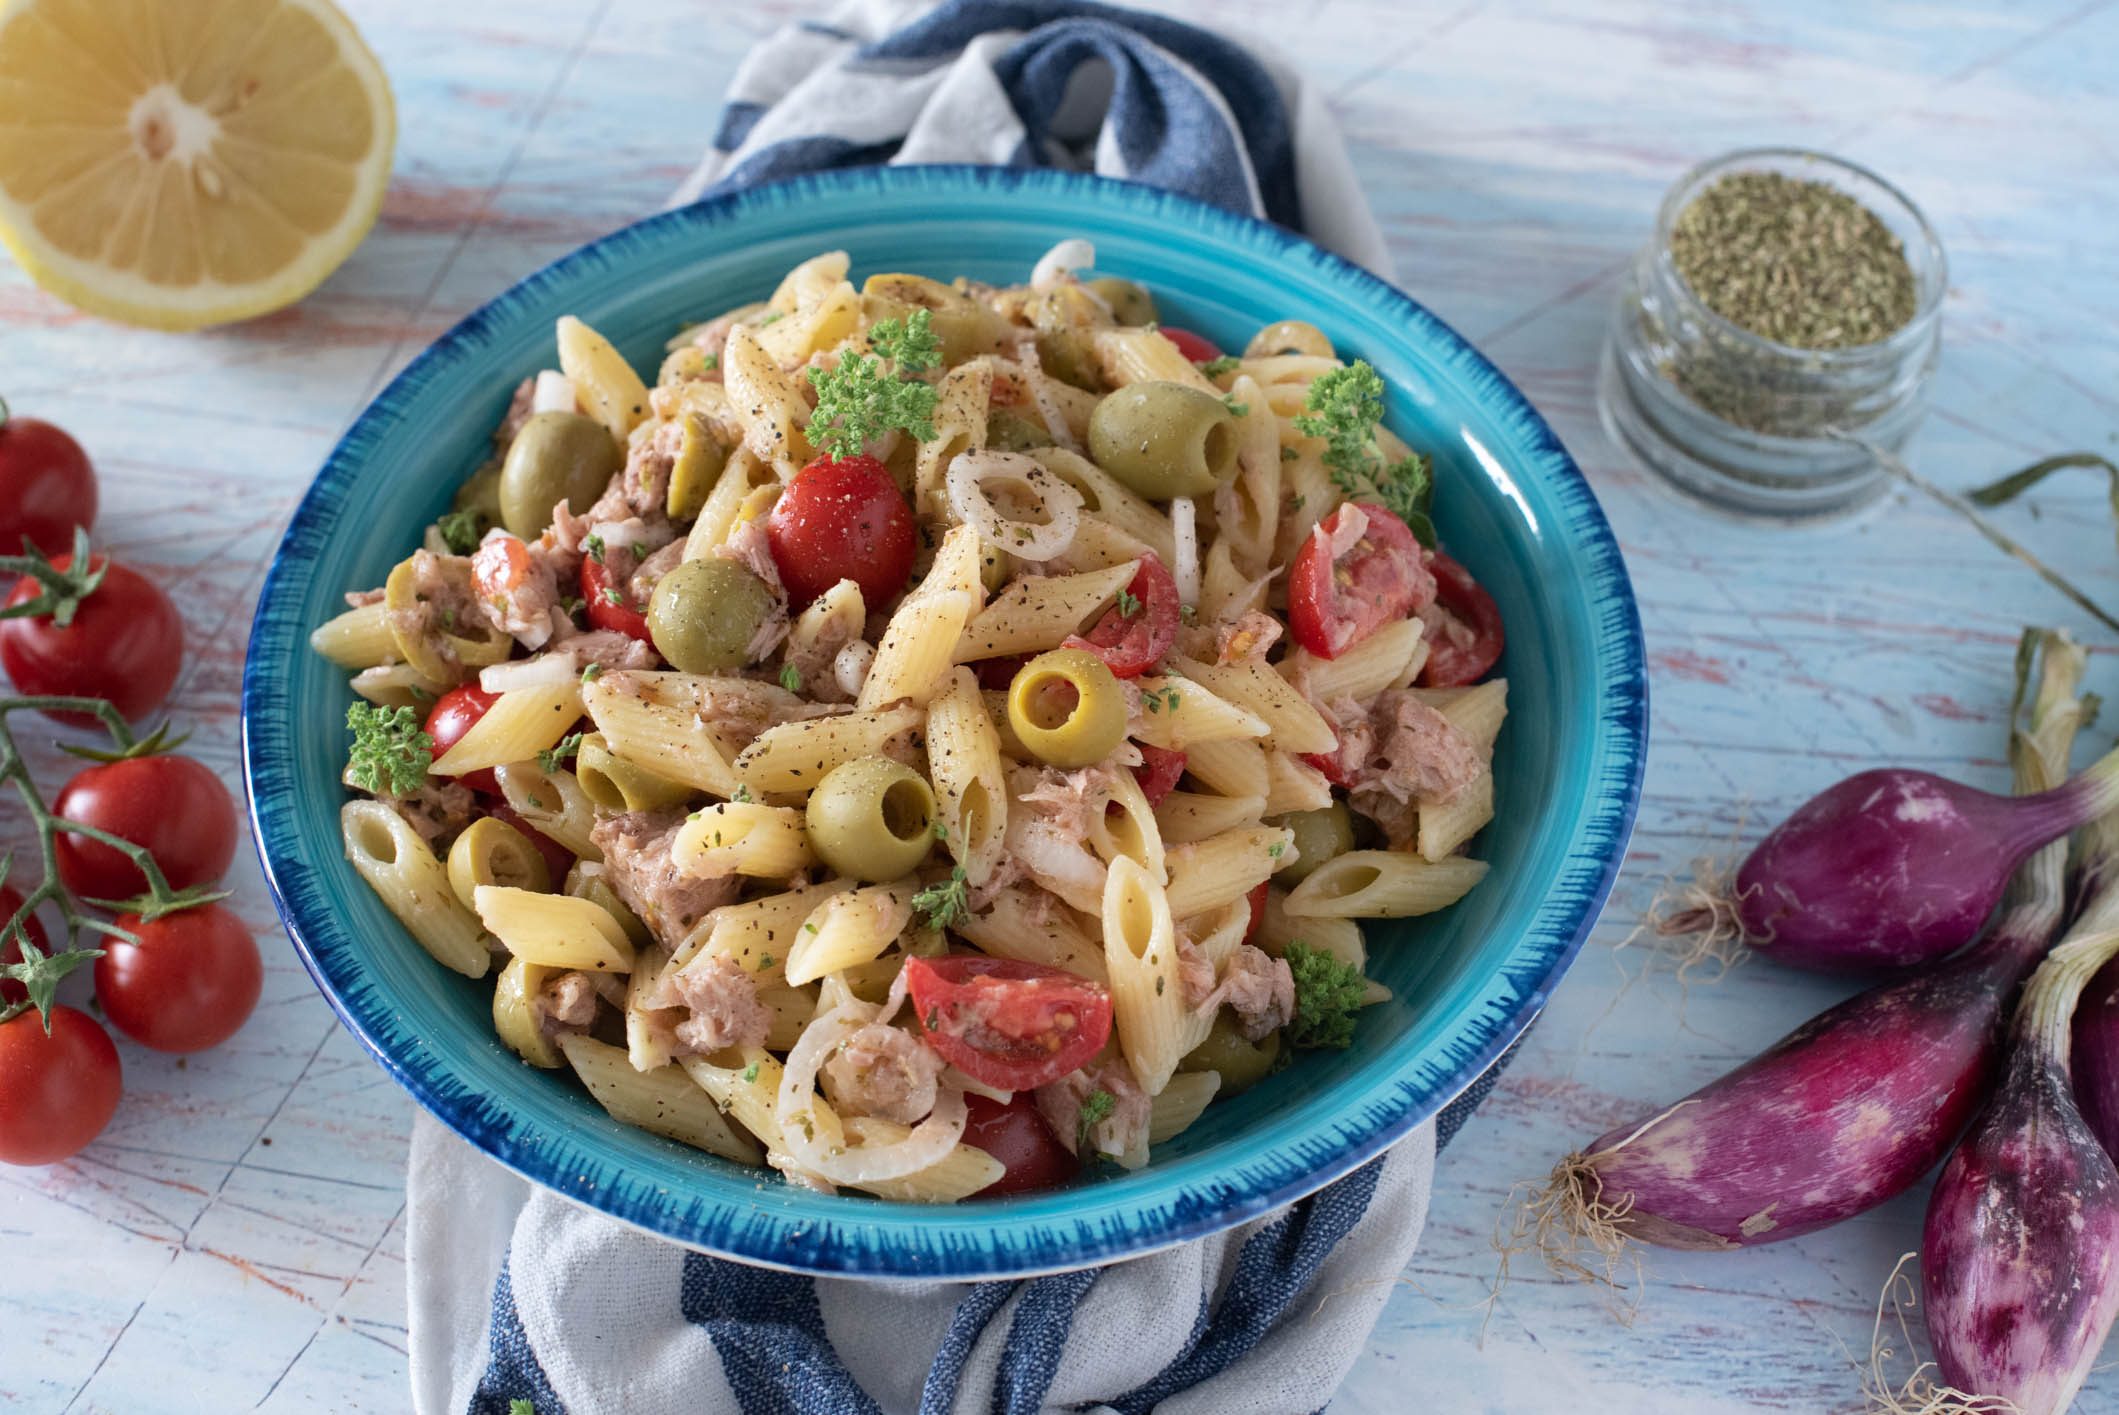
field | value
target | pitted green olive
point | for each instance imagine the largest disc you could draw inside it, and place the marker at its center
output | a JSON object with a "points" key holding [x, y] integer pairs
{"points": [[1066, 708], [1068, 356], [962, 326], [1130, 304], [555, 457], [704, 614], [872, 818], [1008, 432], [1319, 835], [1164, 439], [1242, 1063]]}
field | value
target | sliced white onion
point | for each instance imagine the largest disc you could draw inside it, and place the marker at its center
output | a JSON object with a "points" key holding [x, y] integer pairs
{"points": [[928, 1143], [1069, 255], [1184, 528], [554, 392], [849, 669], [631, 534], [1348, 527], [970, 1085], [546, 670], [1048, 405], [972, 473]]}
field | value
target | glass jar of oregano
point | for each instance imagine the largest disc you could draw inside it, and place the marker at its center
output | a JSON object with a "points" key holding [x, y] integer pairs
{"points": [[1785, 320]]}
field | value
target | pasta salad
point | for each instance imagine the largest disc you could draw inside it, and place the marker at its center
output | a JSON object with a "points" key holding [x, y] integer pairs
{"points": [[935, 739]]}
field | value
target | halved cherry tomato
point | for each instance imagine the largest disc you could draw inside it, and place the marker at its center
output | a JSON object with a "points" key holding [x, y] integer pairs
{"points": [[1328, 763], [1131, 644], [1012, 1025], [1257, 900], [607, 605], [188, 984], [1016, 1134], [451, 716], [1198, 348], [47, 488], [11, 951], [125, 644], [1337, 600], [1158, 771], [998, 673], [57, 1092], [557, 858], [842, 519], [171, 806], [1464, 637]]}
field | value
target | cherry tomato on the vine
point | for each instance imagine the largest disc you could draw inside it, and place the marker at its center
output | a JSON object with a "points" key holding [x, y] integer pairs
{"points": [[12, 992], [57, 1092], [125, 643], [188, 984], [1031, 1156], [171, 806], [452, 715], [47, 488], [842, 519]]}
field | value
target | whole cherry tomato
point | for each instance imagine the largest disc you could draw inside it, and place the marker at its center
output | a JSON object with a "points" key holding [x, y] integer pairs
{"points": [[1465, 637], [1158, 772], [1133, 635], [1012, 1025], [450, 717], [842, 519], [57, 1092], [607, 603], [47, 488], [189, 983], [173, 807], [1337, 598], [1197, 348], [12, 992], [124, 642], [1031, 1156]]}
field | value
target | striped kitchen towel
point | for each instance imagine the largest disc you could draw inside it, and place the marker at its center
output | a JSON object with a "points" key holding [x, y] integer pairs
{"points": [[519, 1294]]}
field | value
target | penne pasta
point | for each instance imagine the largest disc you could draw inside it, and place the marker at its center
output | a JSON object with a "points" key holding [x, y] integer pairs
{"points": [[1033, 615], [1184, 1100], [1444, 826], [516, 728], [553, 802], [847, 929], [964, 761], [359, 638], [1148, 1012], [795, 756], [1291, 723], [1226, 867], [663, 1101], [665, 722], [757, 934], [1389, 658], [1178, 714], [555, 930], [1383, 884], [742, 838], [1188, 817], [605, 385], [414, 885]]}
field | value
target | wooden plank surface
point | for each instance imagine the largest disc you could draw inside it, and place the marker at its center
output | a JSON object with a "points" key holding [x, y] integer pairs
{"points": [[235, 1240]]}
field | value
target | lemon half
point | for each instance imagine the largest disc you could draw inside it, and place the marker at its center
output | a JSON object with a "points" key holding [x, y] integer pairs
{"points": [[179, 163]]}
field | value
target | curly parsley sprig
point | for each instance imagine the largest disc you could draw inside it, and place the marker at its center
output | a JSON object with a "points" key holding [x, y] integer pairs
{"points": [[1327, 996], [861, 399], [1344, 407], [948, 903], [391, 751]]}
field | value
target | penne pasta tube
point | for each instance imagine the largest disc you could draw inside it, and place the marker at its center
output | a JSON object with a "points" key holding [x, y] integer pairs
{"points": [[1035, 614], [556, 930], [1183, 1101], [664, 1101], [413, 884], [605, 385], [794, 756], [848, 929], [964, 763], [1226, 867], [1153, 1025], [359, 638], [518, 726], [1383, 884], [1188, 817], [742, 838]]}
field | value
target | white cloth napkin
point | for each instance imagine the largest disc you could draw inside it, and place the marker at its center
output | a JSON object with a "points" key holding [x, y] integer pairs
{"points": [[518, 1294]]}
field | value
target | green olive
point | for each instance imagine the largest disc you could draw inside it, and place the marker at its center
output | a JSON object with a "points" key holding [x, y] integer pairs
{"points": [[556, 457], [700, 458], [1242, 1063], [1009, 433], [872, 818], [1164, 439], [704, 614], [1068, 356], [481, 495], [1319, 835], [490, 851], [1067, 709], [597, 890], [963, 327], [616, 784], [1130, 304]]}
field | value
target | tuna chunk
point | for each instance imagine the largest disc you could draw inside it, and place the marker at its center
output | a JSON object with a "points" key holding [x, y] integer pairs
{"points": [[637, 864], [1120, 1134], [567, 1003], [725, 1011], [883, 1071]]}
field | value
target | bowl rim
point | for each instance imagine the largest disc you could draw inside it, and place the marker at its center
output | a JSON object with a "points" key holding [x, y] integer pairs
{"points": [[862, 1243]]}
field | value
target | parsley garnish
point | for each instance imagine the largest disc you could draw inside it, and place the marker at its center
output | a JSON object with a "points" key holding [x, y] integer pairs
{"points": [[791, 678], [774, 318], [742, 796], [710, 361], [1343, 408], [1215, 368], [1276, 849], [946, 904], [1236, 409], [1096, 1109], [519, 1406], [592, 673], [391, 752], [611, 595], [1128, 604], [1327, 995], [459, 531], [568, 746], [750, 1072], [1156, 699], [766, 960], [941, 829], [859, 401], [593, 546]]}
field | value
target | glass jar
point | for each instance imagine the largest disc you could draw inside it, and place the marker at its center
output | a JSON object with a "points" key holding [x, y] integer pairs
{"points": [[1749, 425]]}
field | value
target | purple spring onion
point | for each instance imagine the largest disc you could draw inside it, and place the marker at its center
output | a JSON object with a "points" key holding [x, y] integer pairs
{"points": [[1889, 869], [1850, 1108], [2095, 1062], [2020, 1252]]}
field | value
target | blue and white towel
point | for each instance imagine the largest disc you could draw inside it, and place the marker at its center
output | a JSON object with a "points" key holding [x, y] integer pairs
{"points": [[517, 1293]]}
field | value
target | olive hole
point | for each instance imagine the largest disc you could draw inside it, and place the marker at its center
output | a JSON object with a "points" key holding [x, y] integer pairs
{"points": [[1219, 448], [905, 811], [1051, 702]]}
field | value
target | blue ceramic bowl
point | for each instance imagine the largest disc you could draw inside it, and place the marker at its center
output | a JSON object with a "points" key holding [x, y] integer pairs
{"points": [[1466, 982]]}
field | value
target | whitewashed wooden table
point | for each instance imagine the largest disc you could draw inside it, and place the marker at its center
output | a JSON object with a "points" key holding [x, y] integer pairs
{"points": [[235, 1240]]}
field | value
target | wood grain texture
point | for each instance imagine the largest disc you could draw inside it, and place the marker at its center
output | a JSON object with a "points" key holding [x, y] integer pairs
{"points": [[235, 1240]]}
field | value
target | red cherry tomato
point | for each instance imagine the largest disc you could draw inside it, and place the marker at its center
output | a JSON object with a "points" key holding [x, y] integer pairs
{"points": [[188, 984], [1336, 601], [1131, 644], [997, 673], [47, 488], [1013, 1026], [1329, 765], [1257, 900], [605, 612], [173, 807], [842, 519], [1467, 639], [451, 716], [57, 1092], [125, 643], [1158, 772], [557, 858], [1197, 348], [1016, 1134], [11, 952]]}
